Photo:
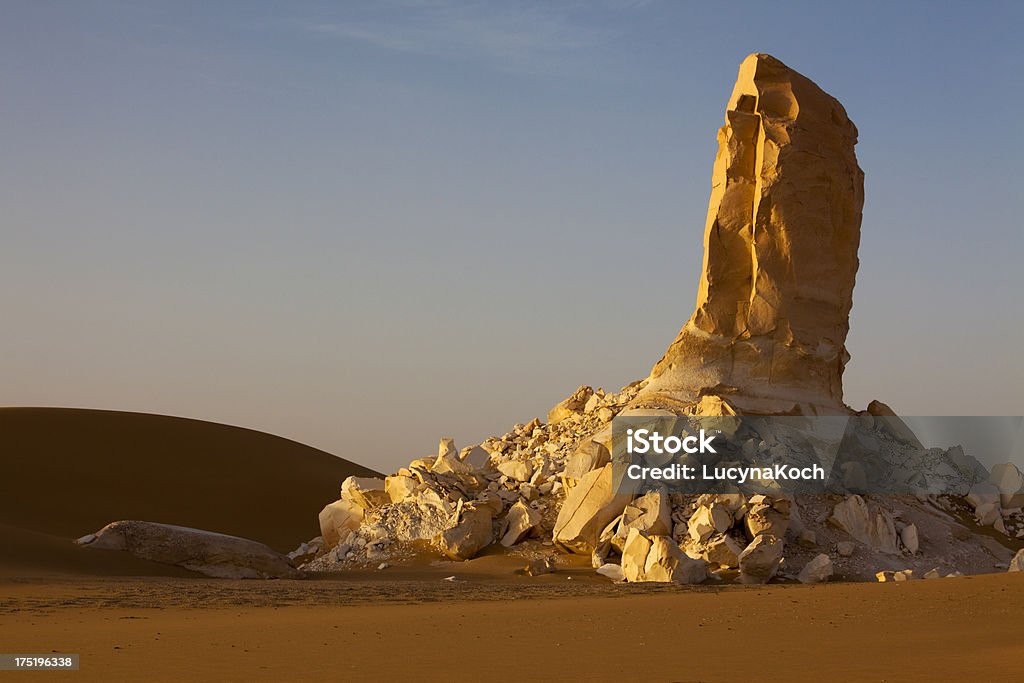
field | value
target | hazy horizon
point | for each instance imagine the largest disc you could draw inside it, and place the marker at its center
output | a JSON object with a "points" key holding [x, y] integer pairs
{"points": [[364, 227]]}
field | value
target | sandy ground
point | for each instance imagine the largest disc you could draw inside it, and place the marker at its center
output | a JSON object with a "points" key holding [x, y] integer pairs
{"points": [[406, 627]]}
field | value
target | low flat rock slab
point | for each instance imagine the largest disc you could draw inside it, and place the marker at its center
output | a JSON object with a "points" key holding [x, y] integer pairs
{"points": [[207, 552]]}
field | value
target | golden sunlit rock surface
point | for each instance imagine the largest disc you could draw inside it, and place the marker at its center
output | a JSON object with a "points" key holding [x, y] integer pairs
{"points": [[780, 255]]}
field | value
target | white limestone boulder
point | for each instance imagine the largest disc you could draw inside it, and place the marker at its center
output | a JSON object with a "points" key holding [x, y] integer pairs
{"points": [[759, 561], [472, 532], [366, 492], [1009, 481], [399, 487], [722, 551], [519, 522], [574, 405], [587, 510], [337, 519], [207, 552], [634, 556], [517, 470], [909, 538], [666, 563], [708, 519], [1017, 563], [818, 570], [589, 456], [873, 527]]}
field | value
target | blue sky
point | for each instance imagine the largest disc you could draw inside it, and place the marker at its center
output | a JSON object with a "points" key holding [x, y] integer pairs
{"points": [[365, 225]]}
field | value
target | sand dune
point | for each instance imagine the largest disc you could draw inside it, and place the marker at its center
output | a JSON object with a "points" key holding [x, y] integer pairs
{"points": [[67, 472]]}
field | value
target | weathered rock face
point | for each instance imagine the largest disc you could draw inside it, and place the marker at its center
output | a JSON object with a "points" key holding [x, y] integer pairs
{"points": [[207, 552], [780, 255]]}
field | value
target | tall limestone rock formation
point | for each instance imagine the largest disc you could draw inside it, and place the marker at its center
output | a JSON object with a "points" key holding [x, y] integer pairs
{"points": [[780, 256]]}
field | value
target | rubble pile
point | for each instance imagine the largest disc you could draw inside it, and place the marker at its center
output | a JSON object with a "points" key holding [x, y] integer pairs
{"points": [[507, 489], [549, 486]]}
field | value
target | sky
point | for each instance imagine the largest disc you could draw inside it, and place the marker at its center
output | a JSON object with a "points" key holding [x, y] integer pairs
{"points": [[364, 226]]}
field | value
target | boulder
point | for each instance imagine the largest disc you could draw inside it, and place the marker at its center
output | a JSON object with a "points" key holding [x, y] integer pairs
{"points": [[908, 536], [760, 560], [337, 519], [666, 563], [732, 502], [650, 513], [723, 551], [984, 493], [574, 405], [818, 570], [472, 532], [519, 522], [475, 457], [207, 552], [589, 455], [306, 552], [448, 460], [708, 519], [422, 463], [780, 254], [845, 548], [873, 528], [366, 492], [1010, 483], [765, 518], [446, 447], [634, 556], [449, 463], [587, 510], [399, 487], [612, 571], [1017, 563], [490, 499], [988, 514], [516, 470]]}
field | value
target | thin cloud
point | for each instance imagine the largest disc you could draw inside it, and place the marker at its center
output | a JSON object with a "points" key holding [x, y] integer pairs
{"points": [[543, 38]]}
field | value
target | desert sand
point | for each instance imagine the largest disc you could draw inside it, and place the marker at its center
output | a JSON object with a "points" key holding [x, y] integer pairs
{"points": [[494, 625]]}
